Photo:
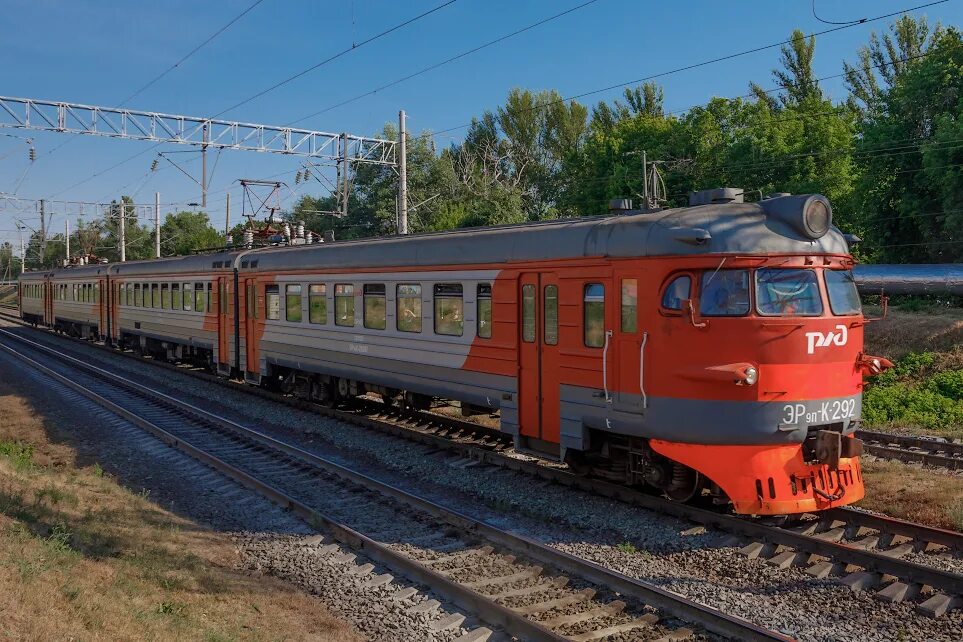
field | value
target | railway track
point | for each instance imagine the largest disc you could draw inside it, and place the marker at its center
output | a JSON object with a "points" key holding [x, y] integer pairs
{"points": [[928, 451], [528, 589], [897, 560]]}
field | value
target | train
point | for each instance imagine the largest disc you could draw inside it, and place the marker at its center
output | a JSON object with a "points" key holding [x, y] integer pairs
{"points": [[711, 352]]}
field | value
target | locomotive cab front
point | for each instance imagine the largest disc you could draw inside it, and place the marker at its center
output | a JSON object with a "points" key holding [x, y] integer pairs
{"points": [[755, 351]]}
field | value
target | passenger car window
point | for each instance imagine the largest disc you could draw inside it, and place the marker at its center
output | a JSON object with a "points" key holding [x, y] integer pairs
{"points": [[678, 291], [165, 296], [786, 292], [199, 297], [449, 309], [528, 313], [155, 298], [272, 302], [188, 296], [594, 317], [484, 311], [177, 301], [344, 304], [630, 305], [374, 306], [724, 293], [292, 302], [317, 303], [843, 297], [550, 312], [408, 304]]}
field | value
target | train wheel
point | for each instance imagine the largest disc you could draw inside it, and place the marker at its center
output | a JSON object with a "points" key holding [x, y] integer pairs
{"points": [[577, 463], [686, 483], [415, 401], [392, 398]]}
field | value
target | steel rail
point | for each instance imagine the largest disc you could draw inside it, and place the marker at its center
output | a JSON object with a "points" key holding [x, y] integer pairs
{"points": [[871, 561], [912, 449], [678, 606]]}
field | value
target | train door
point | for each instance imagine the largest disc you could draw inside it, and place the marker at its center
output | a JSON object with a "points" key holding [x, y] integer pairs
{"points": [[630, 342], [224, 325], [103, 307], [539, 394], [250, 327], [118, 297], [47, 291]]}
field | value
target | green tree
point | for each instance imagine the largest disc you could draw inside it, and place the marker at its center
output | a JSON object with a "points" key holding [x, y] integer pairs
{"points": [[10, 267], [796, 77], [881, 62], [186, 232], [909, 191]]}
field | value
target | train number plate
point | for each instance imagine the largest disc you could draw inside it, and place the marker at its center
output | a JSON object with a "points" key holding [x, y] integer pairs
{"points": [[819, 412]]}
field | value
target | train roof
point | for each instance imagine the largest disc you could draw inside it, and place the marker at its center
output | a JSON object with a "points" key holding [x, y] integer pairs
{"points": [[766, 227], [771, 226]]}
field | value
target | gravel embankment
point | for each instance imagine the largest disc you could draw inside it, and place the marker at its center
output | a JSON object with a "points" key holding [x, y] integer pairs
{"points": [[268, 538], [701, 564]]}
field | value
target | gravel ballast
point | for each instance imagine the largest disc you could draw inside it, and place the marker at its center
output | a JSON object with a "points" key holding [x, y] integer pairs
{"points": [[268, 539], [702, 564]]}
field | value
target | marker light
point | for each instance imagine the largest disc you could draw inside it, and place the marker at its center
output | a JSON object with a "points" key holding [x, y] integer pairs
{"points": [[749, 376]]}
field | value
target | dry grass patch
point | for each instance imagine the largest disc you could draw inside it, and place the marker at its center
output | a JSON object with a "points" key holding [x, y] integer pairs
{"points": [[81, 557], [913, 493], [900, 333]]}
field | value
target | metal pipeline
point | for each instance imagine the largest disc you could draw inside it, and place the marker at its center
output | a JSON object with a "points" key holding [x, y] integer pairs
{"points": [[937, 278]]}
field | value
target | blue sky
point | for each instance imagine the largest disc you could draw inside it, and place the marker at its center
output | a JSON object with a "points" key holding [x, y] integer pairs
{"points": [[99, 52]]}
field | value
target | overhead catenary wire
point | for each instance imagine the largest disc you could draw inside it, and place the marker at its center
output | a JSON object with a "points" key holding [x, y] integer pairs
{"points": [[831, 22], [541, 106], [673, 71], [447, 61], [189, 54], [337, 55], [269, 89], [177, 64], [712, 61]]}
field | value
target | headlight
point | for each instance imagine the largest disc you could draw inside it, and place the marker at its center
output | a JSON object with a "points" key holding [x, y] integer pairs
{"points": [[816, 217], [810, 215], [749, 376]]}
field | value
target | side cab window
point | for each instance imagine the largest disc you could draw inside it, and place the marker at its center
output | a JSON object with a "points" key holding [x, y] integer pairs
{"points": [[676, 291]]}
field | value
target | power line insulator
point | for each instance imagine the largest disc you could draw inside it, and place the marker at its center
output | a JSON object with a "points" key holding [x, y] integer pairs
{"points": [[297, 177], [153, 166], [33, 154], [307, 174]]}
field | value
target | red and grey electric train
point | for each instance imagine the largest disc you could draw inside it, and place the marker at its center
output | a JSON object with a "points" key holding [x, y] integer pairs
{"points": [[715, 348]]}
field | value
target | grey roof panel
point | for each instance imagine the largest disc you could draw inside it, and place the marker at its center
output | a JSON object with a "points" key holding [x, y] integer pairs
{"points": [[732, 228]]}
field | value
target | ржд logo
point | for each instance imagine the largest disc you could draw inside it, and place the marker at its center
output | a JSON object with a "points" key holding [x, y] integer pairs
{"points": [[820, 340]]}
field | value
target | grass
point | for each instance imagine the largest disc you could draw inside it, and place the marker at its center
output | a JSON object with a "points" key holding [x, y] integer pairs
{"points": [[627, 547], [82, 557], [923, 394], [912, 493]]}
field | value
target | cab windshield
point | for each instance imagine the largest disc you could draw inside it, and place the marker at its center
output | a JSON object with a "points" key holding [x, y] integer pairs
{"points": [[843, 297], [788, 292]]}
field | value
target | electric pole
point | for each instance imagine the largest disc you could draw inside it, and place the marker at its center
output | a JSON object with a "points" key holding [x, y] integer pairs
{"points": [[205, 139], [402, 176], [156, 225], [227, 216], [23, 249], [345, 185], [123, 231], [645, 181], [67, 241], [43, 231]]}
